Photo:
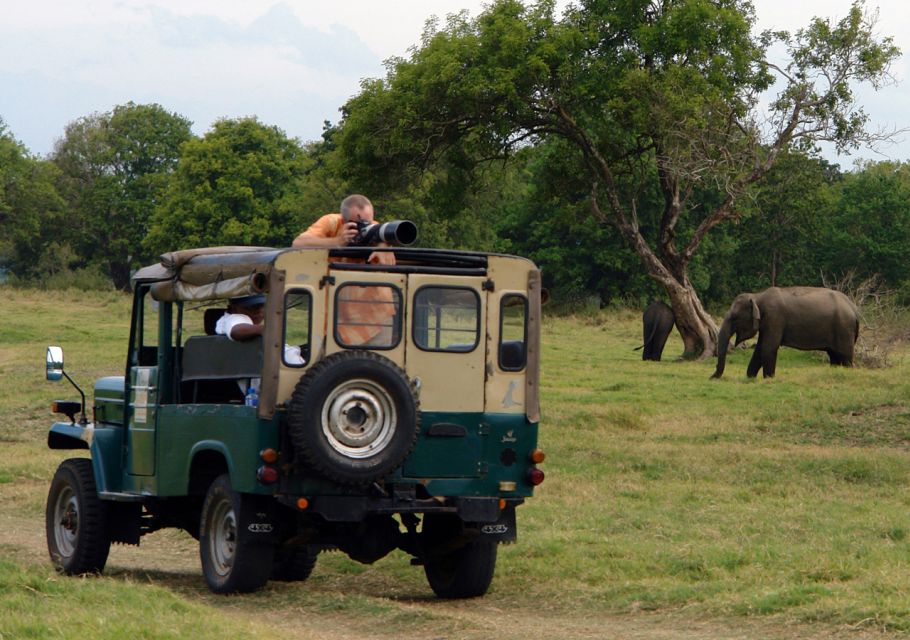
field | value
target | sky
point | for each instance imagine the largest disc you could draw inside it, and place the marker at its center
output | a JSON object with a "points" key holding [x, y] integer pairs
{"points": [[291, 63]]}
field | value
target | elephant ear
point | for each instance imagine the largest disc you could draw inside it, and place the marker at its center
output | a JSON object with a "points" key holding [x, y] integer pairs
{"points": [[756, 315]]}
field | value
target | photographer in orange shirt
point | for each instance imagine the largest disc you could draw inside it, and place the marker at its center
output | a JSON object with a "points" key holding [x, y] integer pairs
{"points": [[366, 314]]}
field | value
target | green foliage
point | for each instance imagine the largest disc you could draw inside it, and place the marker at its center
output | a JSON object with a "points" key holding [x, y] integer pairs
{"points": [[240, 184], [31, 211], [869, 231], [113, 169], [550, 221], [782, 237]]}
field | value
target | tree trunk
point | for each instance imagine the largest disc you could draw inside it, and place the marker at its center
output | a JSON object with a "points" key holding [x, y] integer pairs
{"points": [[695, 325], [120, 275], [775, 259]]}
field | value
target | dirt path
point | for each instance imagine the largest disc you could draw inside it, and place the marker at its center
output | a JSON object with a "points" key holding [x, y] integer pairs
{"points": [[170, 559]]}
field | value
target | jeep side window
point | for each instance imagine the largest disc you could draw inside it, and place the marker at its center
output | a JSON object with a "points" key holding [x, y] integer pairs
{"points": [[147, 332], [446, 319], [297, 311], [367, 315], [513, 332]]}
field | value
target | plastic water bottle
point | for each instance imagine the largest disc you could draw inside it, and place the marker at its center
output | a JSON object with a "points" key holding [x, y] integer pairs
{"points": [[251, 399]]}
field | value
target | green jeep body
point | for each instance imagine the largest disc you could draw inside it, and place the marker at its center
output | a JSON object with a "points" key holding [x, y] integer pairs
{"points": [[451, 396]]}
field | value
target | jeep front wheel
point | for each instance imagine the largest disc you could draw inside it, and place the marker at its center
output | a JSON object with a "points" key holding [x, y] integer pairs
{"points": [[354, 417], [233, 560], [76, 520]]}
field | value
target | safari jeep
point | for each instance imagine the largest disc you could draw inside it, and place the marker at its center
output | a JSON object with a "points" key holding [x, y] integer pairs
{"points": [[411, 423]]}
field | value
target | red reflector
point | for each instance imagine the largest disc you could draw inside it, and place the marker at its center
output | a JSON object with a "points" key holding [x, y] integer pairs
{"points": [[267, 475], [535, 476]]}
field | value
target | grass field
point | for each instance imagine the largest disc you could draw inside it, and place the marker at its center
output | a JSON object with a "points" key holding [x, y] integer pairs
{"points": [[674, 507]]}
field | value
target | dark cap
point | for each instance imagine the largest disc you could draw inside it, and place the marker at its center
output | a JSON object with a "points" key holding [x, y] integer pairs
{"points": [[249, 301]]}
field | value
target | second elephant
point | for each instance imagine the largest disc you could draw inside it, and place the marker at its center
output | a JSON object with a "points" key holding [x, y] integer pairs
{"points": [[657, 323], [807, 318]]}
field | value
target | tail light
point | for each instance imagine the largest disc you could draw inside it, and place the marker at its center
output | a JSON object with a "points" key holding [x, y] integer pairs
{"points": [[267, 475], [535, 476], [538, 456]]}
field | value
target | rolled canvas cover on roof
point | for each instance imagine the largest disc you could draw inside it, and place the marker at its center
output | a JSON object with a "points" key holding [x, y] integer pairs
{"points": [[209, 273], [174, 260], [171, 290]]}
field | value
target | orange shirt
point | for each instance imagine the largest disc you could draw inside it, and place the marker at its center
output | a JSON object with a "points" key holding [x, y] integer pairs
{"points": [[328, 226]]}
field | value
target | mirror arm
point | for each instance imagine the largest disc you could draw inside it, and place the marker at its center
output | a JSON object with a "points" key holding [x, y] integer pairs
{"points": [[83, 419]]}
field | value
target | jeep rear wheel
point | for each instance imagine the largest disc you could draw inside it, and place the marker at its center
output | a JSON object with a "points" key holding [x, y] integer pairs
{"points": [[233, 560], [354, 417], [465, 571], [294, 564], [76, 520]]}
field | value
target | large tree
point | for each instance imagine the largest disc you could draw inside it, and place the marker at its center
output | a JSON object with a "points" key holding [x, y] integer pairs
{"points": [[650, 95], [114, 169], [238, 185]]}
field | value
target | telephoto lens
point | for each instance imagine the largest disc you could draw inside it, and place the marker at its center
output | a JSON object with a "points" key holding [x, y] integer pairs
{"points": [[398, 233]]}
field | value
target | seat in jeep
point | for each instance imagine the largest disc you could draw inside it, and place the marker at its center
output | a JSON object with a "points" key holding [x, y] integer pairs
{"points": [[212, 365]]}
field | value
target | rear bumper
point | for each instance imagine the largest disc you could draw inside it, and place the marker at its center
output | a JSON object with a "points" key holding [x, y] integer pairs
{"points": [[356, 508]]}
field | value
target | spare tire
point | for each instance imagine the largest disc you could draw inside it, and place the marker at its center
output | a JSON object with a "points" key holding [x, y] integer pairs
{"points": [[354, 417]]}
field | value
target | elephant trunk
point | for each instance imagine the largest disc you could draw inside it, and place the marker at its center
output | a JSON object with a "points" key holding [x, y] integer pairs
{"points": [[723, 341]]}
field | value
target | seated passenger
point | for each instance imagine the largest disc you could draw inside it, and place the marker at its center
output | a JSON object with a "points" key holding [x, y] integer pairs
{"points": [[243, 321]]}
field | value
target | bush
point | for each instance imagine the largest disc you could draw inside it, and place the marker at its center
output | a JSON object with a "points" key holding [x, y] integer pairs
{"points": [[90, 278], [883, 321]]}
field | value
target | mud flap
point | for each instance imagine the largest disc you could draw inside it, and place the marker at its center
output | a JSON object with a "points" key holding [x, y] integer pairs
{"points": [[258, 520], [503, 530]]}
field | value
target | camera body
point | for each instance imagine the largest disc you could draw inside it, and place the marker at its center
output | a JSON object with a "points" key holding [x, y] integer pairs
{"points": [[397, 233]]}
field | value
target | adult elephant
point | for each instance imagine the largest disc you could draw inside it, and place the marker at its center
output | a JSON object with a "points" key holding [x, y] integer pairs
{"points": [[657, 323], [807, 318]]}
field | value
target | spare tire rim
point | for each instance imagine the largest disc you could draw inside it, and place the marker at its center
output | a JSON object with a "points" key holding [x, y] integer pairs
{"points": [[359, 418]]}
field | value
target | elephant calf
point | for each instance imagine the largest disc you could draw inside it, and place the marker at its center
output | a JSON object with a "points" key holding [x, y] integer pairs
{"points": [[807, 318], [657, 323]]}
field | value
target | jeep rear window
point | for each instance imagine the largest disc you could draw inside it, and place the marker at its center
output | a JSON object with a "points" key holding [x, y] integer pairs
{"points": [[446, 319], [297, 311], [513, 332], [367, 316]]}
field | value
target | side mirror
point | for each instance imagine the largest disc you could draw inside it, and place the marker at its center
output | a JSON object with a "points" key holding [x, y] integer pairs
{"points": [[54, 363]]}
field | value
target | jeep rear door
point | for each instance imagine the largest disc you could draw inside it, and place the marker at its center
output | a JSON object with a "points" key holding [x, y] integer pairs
{"points": [[446, 352]]}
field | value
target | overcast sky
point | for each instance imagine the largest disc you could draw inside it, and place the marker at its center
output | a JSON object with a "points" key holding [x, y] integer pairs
{"points": [[292, 63]]}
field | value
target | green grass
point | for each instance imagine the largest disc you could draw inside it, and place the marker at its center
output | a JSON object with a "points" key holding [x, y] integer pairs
{"points": [[666, 492]]}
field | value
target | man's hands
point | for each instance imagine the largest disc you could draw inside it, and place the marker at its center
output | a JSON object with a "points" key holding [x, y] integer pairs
{"points": [[381, 257], [348, 233]]}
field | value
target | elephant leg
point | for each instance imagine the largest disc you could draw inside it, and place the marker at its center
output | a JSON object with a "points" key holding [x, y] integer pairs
{"points": [[834, 357], [755, 362], [646, 352], [845, 351], [660, 341], [769, 361]]}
